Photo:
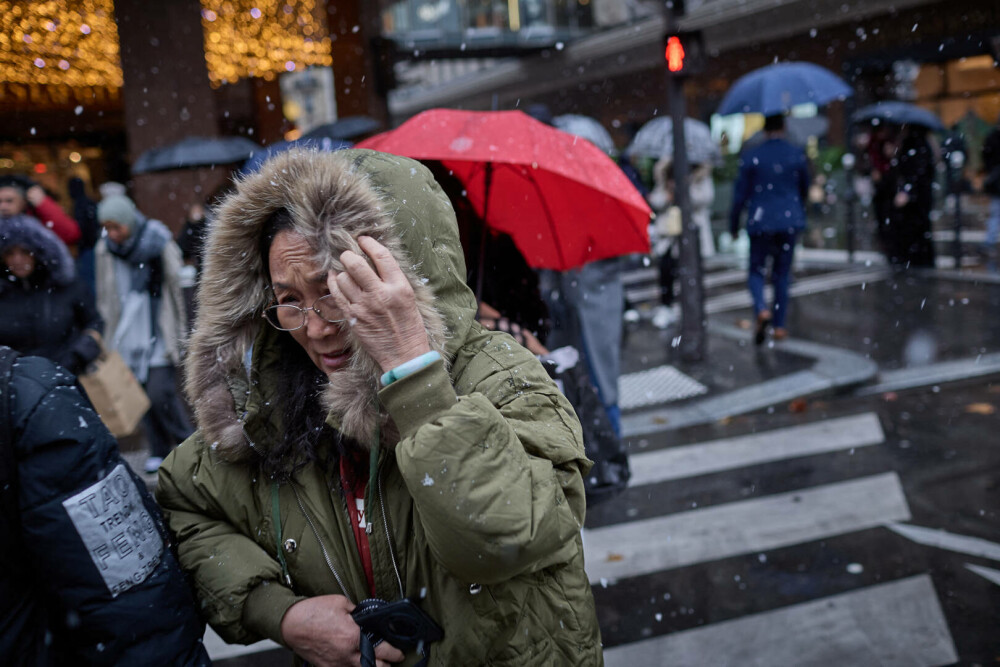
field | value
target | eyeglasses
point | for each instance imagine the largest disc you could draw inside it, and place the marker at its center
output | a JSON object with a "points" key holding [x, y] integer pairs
{"points": [[286, 317]]}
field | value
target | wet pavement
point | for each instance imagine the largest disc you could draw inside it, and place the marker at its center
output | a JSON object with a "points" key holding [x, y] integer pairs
{"points": [[940, 446]]}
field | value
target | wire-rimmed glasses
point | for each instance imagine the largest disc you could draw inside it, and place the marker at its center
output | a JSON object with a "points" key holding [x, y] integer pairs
{"points": [[286, 317]]}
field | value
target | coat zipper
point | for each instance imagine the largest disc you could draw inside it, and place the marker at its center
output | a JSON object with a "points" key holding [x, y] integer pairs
{"points": [[388, 536], [326, 555]]}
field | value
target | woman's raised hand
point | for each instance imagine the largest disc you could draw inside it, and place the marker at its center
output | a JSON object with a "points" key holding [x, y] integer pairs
{"points": [[380, 305]]}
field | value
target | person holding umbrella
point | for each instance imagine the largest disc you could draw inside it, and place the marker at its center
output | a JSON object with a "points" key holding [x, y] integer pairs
{"points": [[773, 185]]}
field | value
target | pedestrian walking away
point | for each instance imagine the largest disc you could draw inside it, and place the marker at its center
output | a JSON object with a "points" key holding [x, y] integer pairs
{"points": [[139, 296], [47, 310], [773, 185], [75, 592], [367, 454]]}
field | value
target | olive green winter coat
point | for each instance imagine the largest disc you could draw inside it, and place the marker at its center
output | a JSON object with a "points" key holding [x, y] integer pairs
{"points": [[479, 501]]}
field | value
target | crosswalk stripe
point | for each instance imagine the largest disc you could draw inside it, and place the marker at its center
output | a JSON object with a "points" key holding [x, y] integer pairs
{"points": [[987, 573], [816, 285], [727, 454], [896, 623], [700, 535], [218, 649], [942, 539]]}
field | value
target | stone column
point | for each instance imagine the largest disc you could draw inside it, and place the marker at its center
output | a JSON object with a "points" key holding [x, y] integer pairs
{"points": [[167, 97], [352, 26]]}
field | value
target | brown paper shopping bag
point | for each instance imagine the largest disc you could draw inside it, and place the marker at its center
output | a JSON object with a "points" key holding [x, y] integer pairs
{"points": [[117, 396]]}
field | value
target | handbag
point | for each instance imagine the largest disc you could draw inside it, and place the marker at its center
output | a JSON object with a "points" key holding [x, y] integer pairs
{"points": [[116, 394]]}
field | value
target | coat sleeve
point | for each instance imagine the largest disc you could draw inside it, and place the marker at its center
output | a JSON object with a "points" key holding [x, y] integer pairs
{"points": [[92, 533], [496, 475], [238, 582], [56, 219]]}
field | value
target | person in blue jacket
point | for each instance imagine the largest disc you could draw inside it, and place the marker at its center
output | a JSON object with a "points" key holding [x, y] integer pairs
{"points": [[772, 185], [87, 576]]}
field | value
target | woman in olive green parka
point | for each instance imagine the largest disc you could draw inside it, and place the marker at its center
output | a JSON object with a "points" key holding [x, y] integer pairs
{"points": [[476, 503]]}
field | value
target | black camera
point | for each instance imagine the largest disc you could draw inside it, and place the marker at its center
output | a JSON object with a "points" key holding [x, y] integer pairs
{"points": [[401, 623]]}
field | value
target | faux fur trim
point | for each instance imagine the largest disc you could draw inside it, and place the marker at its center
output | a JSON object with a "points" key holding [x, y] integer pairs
{"points": [[331, 202]]}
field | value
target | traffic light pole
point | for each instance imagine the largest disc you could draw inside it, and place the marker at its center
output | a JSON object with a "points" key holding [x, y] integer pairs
{"points": [[693, 340]]}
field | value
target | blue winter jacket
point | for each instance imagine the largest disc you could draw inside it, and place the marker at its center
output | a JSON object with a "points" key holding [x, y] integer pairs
{"points": [[87, 576], [772, 185]]}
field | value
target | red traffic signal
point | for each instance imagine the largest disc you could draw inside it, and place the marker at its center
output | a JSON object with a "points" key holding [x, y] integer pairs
{"points": [[684, 53]]}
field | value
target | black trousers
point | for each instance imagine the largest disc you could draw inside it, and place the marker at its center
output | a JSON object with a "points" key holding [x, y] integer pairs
{"points": [[166, 423]]}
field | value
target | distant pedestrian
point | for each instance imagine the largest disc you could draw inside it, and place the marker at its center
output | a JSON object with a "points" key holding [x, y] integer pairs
{"points": [[20, 195], [46, 310], [773, 186], [85, 213], [140, 298], [911, 236], [991, 185], [86, 573]]}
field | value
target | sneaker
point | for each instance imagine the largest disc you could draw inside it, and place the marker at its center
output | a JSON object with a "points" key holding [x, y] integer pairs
{"points": [[663, 317], [153, 464]]}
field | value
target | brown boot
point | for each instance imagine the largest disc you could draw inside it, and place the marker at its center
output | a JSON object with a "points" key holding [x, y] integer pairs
{"points": [[763, 322], [780, 333]]}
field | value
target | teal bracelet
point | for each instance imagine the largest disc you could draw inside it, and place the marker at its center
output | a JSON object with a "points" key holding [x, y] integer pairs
{"points": [[409, 368]]}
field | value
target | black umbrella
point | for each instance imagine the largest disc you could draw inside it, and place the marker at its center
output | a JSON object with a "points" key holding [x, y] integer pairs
{"points": [[898, 113], [345, 128], [195, 152]]}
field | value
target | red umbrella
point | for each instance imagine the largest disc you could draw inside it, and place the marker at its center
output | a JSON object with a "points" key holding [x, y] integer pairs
{"points": [[562, 200]]}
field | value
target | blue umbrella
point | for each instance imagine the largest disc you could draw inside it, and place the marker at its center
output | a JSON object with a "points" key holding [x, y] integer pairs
{"points": [[775, 89], [898, 113], [349, 127], [261, 155]]}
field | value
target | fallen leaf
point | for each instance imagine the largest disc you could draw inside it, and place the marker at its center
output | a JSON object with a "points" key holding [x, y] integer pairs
{"points": [[890, 396], [980, 409], [614, 558], [746, 325], [798, 405], [659, 420]]}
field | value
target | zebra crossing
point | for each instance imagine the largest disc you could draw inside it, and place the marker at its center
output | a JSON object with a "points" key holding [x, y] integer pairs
{"points": [[898, 622]]}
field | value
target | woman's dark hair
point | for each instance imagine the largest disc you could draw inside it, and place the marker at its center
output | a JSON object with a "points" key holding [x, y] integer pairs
{"points": [[299, 386], [277, 222]]}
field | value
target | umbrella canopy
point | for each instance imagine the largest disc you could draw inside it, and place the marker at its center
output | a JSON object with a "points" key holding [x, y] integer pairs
{"points": [[775, 89], [898, 113], [262, 155], [797, 131], [655, 139], [562, 200], [345, 128], [195, 152], [587, 128]]}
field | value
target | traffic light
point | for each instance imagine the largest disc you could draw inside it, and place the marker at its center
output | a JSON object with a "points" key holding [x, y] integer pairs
{"points": [[684, 53]]}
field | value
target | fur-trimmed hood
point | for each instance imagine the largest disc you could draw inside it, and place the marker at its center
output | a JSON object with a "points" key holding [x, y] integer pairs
{"points": [[333, 198], [53, 263]]}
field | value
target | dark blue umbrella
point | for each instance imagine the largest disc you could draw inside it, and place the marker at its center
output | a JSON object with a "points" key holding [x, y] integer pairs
{"points": [[195, 152], [261, 155], [898, 113], [775, 89], [349, 127]]}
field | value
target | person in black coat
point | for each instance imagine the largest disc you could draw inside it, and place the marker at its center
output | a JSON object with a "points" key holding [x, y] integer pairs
{"points": [[86, 573], [46, 310], [912, 240]]}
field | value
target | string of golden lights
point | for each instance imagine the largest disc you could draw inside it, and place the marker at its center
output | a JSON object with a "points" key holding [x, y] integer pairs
{"points": [[263, 38], [57, 43]]}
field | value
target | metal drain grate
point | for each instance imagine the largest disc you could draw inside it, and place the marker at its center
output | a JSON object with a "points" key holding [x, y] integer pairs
{"points": [[663, 384]]}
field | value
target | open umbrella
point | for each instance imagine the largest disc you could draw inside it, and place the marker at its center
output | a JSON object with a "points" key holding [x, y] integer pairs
{"points": [[195, 152], [349, 127], [655, 139], [797, 131], [898, 113], [262, 155], [563, 201], [775, 89], [587, 128]]}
